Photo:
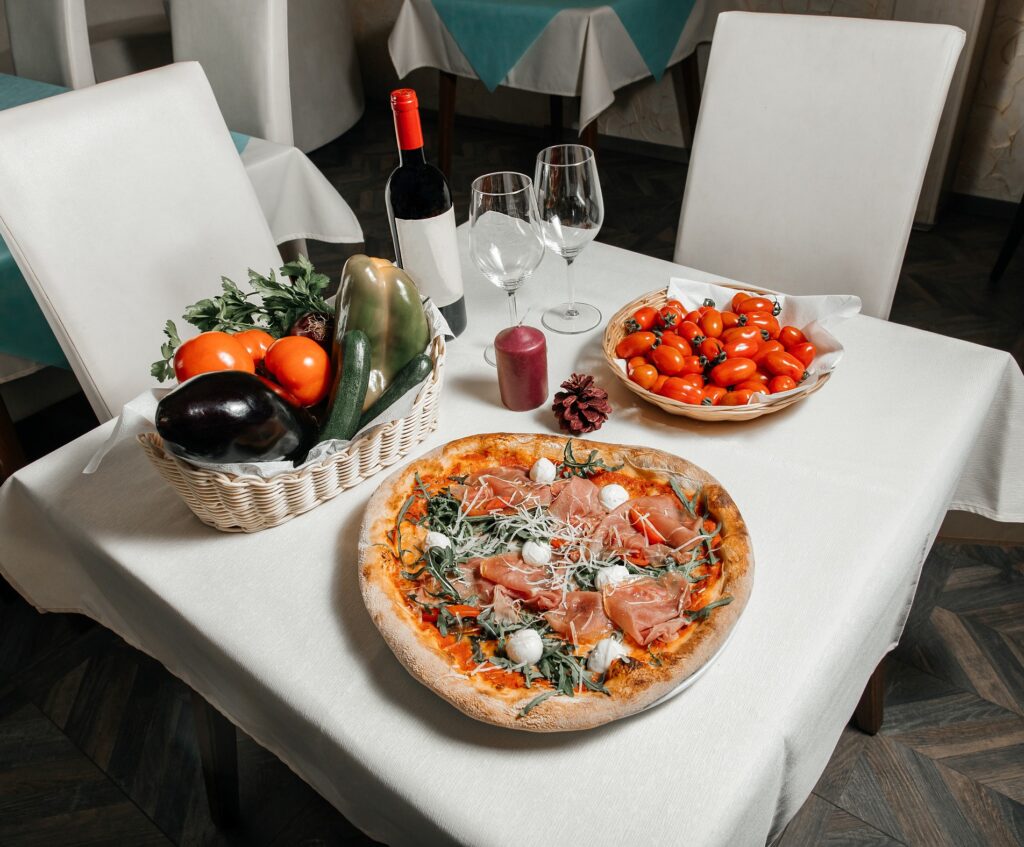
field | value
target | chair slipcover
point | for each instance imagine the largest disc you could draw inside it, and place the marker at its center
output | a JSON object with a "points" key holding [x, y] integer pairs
{"points": [[50, 41], [811, 147], [123, 203]]}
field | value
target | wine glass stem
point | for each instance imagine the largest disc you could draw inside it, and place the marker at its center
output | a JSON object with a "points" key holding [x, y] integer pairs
{"points": [[513, 315], [571, 278]]}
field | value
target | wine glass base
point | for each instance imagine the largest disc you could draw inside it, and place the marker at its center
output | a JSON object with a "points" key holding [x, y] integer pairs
{"points": [[489, 356], [570, 319]]}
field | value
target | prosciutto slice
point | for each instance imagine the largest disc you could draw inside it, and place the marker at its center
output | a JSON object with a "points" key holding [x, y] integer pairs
{"points": [[616, 533], [576, 500], [470, 583], [648, 609], [506, 605], [580, 617], [667, 516], [500, 489], [530, 583]]}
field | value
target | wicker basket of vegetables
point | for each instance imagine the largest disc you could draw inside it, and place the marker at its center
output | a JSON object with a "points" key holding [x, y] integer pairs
{"points": [[287, 399]]}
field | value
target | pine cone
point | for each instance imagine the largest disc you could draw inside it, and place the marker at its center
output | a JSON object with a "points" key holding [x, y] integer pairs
{"points": [[581, 406]]}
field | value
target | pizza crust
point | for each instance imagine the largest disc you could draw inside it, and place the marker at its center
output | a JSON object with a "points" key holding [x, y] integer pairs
{"points": [[634, 686]]}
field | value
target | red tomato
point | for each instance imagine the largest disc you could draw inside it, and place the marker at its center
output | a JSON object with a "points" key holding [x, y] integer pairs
{"points": [[711, 323], [301, 366], [736, 398], [695, 315], [642, 523], [713, 350], [668, 360], [783, 364], [751, 385], [669, 317], [659, 383], [733, 371], [211, 351], [635, 344], [765, 349], [760, 378], [692, 365], [677, 305], [279, 391], [643, 319], [781, 383], [645, 376], [678, 389], [256, 343], [696, 380], [738, 298], [804, 352], [743, 333], [754, 304], [741, 349], [790, 336], [764, 321], [670, 339], [712, 395], [691, 332], [731, 319], [635, 362]]}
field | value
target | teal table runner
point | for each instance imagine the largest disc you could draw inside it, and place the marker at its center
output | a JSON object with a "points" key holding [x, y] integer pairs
{"points": [[24, 331], [494, 34]]}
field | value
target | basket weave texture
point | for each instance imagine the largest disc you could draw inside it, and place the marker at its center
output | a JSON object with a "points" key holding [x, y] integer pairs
{"points": [[249, 503], [615, 331]]}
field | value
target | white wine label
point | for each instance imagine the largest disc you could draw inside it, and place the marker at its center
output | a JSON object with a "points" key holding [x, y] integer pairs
{"points": [[430, 255]]}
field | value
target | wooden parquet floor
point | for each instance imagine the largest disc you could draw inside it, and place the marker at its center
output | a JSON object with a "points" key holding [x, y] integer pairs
{"points": [[97, 742]]}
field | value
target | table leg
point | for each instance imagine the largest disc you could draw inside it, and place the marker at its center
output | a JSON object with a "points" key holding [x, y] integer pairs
{"points": [[867, 717], [557, 118], [446, 123], [12, 456], [219, 754], [686, 81], [588, 135], [1010, 245]]}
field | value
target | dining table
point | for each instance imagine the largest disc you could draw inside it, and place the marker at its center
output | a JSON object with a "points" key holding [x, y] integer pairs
{"points": [[842, 494]]}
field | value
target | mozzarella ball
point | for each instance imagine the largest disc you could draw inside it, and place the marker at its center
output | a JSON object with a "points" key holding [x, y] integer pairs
{"points": [[605, 653], [612, 496], [536, 553], [543, 471], [612, 575], [524, 647], [437, 539]]}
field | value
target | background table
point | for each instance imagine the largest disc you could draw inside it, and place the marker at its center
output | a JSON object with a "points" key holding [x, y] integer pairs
{"points": [[842, 495]]}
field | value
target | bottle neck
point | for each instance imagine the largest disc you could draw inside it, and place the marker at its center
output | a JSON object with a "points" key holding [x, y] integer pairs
{"points": [[409, 135], [412, 157]]}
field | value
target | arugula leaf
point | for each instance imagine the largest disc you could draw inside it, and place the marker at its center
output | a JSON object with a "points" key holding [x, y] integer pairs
{"points": [[571, 466], [700, 614]]}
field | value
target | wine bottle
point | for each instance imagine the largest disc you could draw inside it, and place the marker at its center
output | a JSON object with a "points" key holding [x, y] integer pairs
{"points": [[422, 216]]}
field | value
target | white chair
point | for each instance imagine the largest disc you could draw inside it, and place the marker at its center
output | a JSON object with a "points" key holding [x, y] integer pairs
{"points": [[50, 41], [284, 70], [811, 147], [123, 203]]}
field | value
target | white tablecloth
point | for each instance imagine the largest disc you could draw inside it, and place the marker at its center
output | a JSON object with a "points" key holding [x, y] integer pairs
{"points": [[842, 494], [585, 53]]}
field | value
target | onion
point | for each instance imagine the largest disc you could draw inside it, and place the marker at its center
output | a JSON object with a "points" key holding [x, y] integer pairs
{"points": [[317, 326]]}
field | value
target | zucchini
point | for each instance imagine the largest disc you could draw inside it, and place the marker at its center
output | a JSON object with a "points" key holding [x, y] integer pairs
{"points": [[412, 373], [350, 388]]}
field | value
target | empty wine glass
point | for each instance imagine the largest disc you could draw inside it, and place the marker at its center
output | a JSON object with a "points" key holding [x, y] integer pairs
{"points": [[502, 234], [571, 212]]}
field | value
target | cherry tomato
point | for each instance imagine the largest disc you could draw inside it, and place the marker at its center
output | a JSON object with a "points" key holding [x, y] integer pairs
{"points": [[691, 332], [643, 319], [634, 363], [741, 349], [695, 315], [736, 398], [711, 323], [669, 317], [670, 339], [733, 371], [751, 385], [677, 389], [712, 349], [693, 365], [731, 319], [256, 343], [659, 383], [804, 352], [642, 523], [790, 336], [712, 395], [765, 349], [783, 364], [760, 378], [677, 305], [743, 333], [645, 376], [211, 351], [755, 304], [764, 321], [696, 380], [301, 366], [781, 383], [635, 344], [667, 360], [738, 298]]}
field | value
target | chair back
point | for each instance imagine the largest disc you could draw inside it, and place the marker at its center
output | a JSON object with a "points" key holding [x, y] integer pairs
{"points": [[50, 41], [122, 204], [811, 147]]}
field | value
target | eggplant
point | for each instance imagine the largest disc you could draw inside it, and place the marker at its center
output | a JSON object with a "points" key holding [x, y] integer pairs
{"points": [[233, 416]]}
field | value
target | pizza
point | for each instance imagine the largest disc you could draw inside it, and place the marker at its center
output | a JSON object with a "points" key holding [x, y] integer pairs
{"points": [[547, 584]]}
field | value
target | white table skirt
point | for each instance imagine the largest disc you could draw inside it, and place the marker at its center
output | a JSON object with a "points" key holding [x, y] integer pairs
{"points": [[583, 52], [842, 494]]}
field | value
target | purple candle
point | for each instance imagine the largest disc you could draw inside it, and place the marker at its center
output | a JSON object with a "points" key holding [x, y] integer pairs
{"points": [[522, 355]]}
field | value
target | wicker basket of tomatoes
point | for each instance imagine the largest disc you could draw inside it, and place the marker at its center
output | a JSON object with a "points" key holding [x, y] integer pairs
{"points": [[730, 359]]}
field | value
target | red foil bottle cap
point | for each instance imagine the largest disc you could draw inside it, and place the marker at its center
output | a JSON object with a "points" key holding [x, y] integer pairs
{"points": [[407, 118]]}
